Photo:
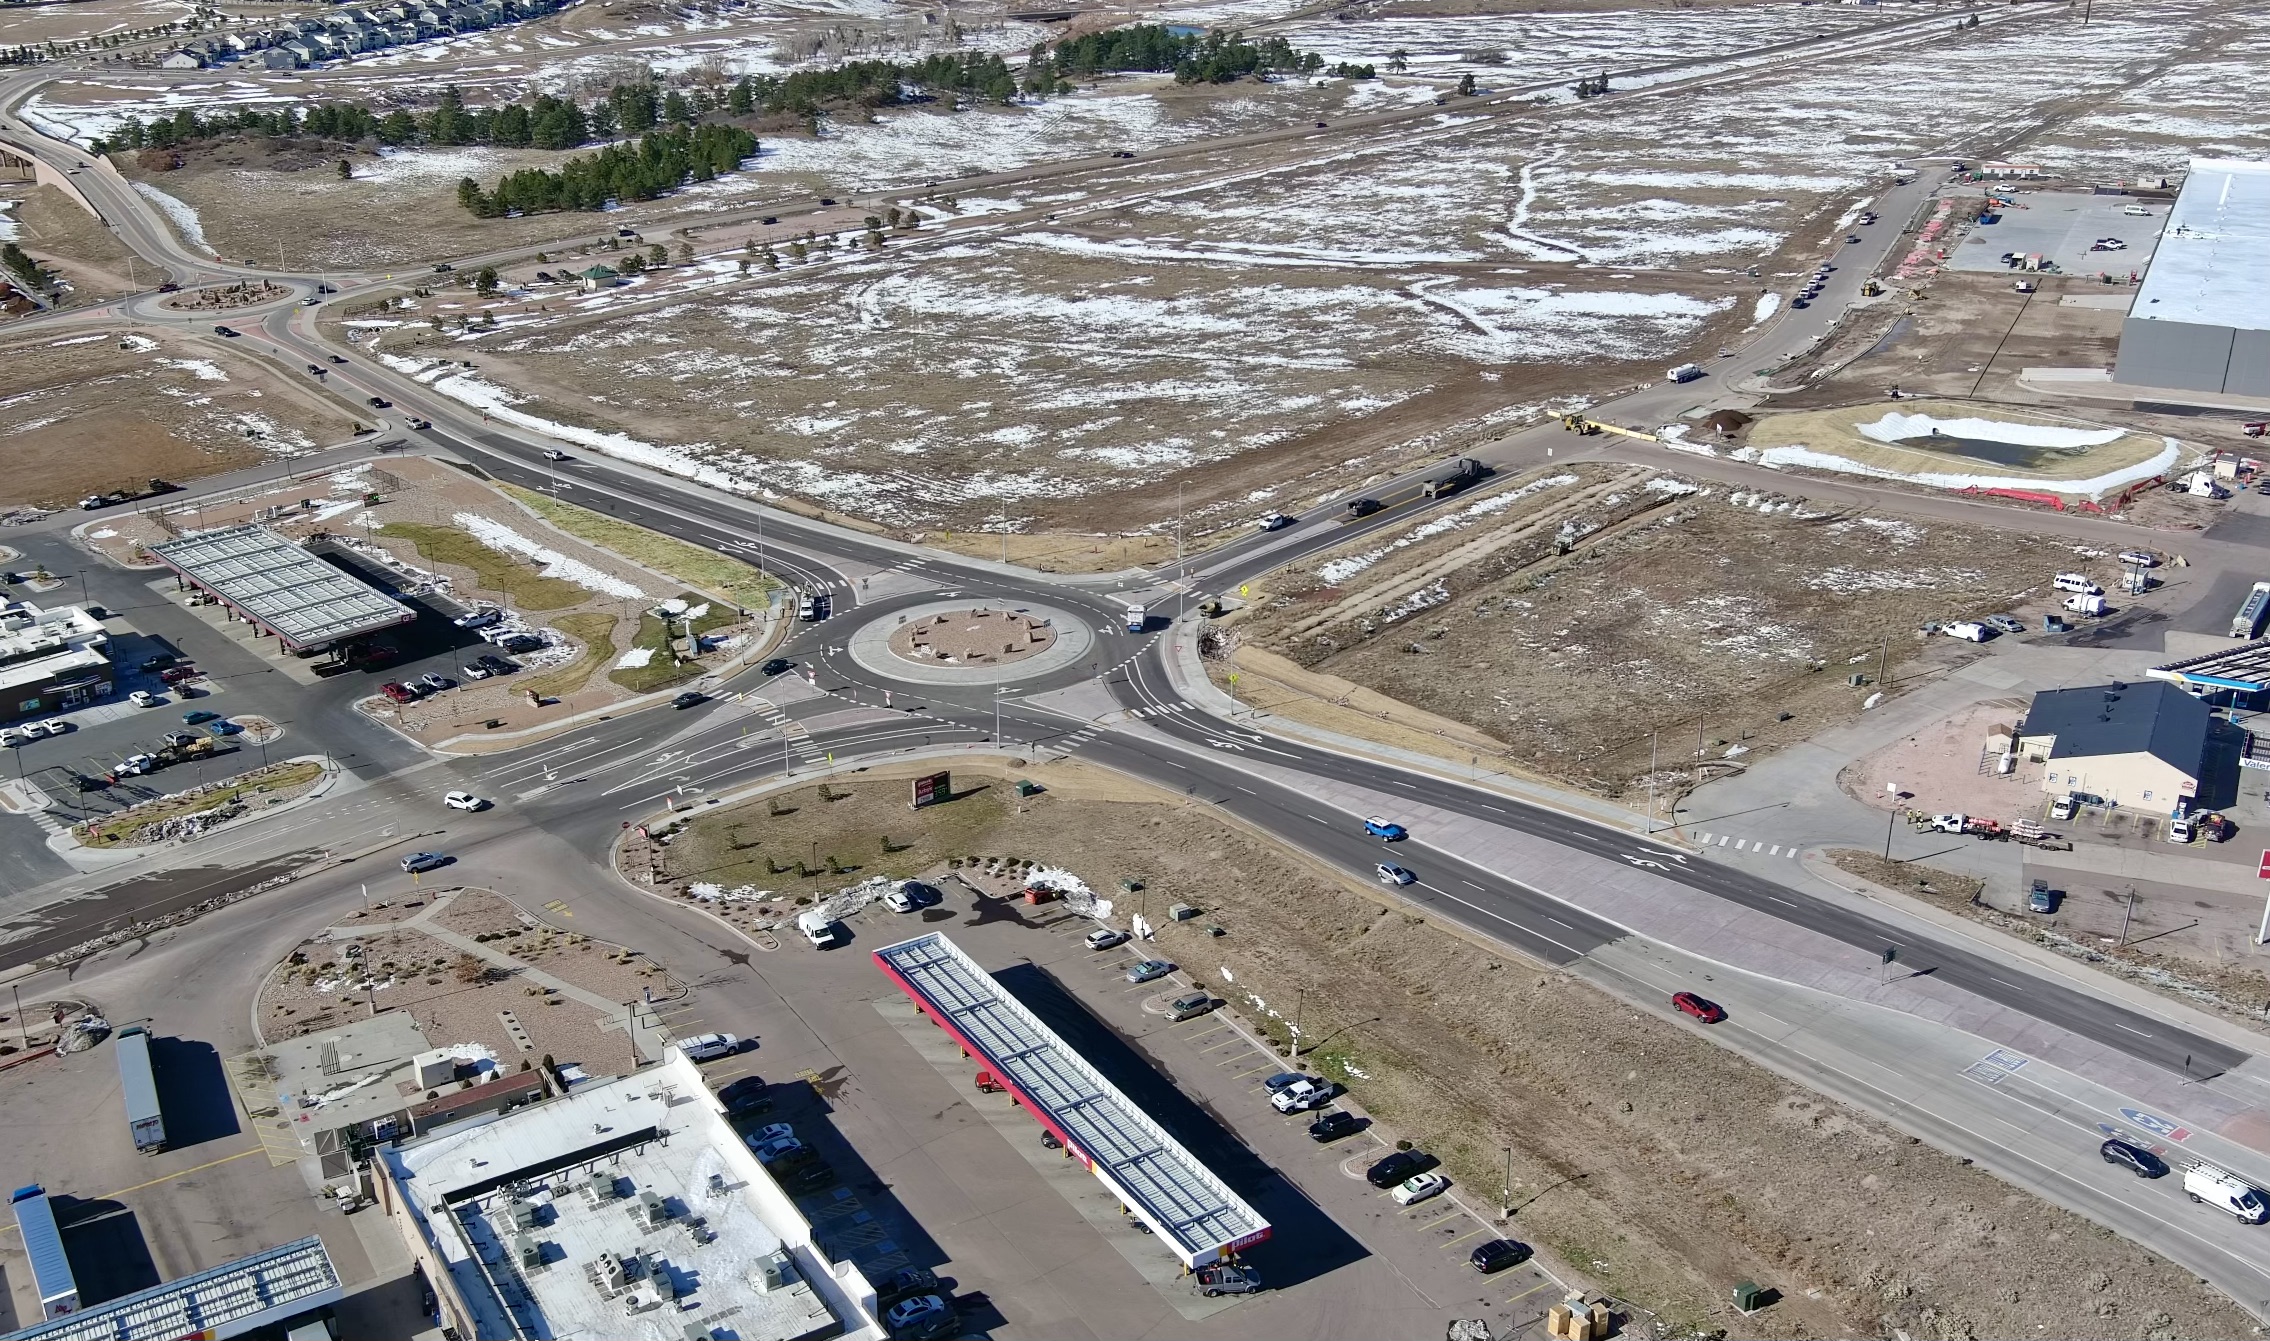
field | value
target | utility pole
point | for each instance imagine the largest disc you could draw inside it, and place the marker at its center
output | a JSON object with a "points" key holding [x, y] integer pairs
{"points": [[1300, 999], [1505, 1188], [1652, 738], [1884, 665], [2126, 914], [1889, 821]]}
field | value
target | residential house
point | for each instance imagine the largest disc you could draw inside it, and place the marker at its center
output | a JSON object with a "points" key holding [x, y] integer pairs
{"points": [[182, 60]]}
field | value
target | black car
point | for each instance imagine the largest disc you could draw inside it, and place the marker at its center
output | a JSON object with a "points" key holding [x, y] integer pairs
{"points": [[804, 1180], [1334, 1125], [778, 666], [827, 200], [906, 1283], [770, 219], [1401, 1165], [2135, 1158], [1497, 1255], [336, 359], [379, 402], [495, 665], [223, 330], [688, 699], [520, 642], [746, 1097], [1363, 507]]}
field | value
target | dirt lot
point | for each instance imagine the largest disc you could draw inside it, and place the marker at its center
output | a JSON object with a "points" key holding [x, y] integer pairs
{"points": [[96, 412], [454, 1000], [253, 196], [1667, 1166], [1575, 614]]}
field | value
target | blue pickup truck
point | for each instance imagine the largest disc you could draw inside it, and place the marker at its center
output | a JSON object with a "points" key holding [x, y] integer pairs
{"points": [[1385, 829]]}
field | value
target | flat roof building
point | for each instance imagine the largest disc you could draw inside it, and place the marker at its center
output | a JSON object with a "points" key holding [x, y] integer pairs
{"points": [[50, 659], [280, 588], [2148, 746], [2201, 318], [628, 1210], [1154, 1176]]}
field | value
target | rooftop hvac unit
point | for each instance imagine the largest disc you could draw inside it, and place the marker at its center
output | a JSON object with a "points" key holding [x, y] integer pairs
{"points": [[651, 1211], [599, 1187], [774, 1272], [529, 1252], [525, 1214]]}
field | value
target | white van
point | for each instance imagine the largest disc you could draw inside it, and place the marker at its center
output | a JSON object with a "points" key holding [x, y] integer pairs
{"points": [[1967, 630], [2077, 582], [708, 1047], [818, 928], [2225, 1191]]}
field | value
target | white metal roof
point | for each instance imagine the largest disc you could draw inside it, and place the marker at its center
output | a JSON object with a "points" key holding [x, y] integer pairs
{"points": [[2212, 267], [1155, 1177], [281, 585], [655, 1134], [225, 1301]]}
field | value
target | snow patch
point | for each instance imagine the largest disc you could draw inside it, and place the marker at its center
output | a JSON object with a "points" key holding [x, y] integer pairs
{"points": [[1895, 428], [504, 539]]}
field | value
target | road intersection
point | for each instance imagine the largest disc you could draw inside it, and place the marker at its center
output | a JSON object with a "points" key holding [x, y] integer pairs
{"points": [[1134, 705]]}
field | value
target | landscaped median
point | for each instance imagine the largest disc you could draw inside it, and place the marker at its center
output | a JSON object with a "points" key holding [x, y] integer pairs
{"points": [[200, 810]]}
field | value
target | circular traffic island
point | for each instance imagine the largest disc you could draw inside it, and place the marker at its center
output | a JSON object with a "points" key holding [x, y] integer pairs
{"points": [[963, 642]]}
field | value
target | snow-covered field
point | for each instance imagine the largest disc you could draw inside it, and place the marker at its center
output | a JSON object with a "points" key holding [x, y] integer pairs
{"points": [[2206, 106], [927, 388], [1510, 50]]}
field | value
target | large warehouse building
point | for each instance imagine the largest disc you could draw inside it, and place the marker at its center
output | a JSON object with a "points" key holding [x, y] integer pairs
{"points": [[2200, 322]]}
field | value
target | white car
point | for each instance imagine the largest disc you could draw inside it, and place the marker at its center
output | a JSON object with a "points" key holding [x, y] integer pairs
{"points": [[1103, 938], [9, 736], [54, 726], [899, 901], [1275, 521], [464, 801], [135, 764], [708, 1047], [142, 698], [1412, 1191], [1392, 874], [555, 454], [478, 619], [1300, 1097]]}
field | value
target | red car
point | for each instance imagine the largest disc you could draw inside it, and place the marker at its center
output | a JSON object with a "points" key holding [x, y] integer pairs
{"points": [[1709, 1012], [399, 692], [176, 674]]}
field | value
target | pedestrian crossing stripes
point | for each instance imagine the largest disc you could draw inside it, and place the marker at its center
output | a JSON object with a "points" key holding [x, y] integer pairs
{"points": [[1754, 846], [1158, 709]]}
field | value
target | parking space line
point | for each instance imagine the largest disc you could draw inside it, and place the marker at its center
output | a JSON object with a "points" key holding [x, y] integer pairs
{"points": [[1451, 1243], [1528, 1292]]}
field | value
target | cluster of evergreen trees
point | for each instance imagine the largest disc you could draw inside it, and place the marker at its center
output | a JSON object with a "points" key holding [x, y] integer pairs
{"points": [[805, 93], [659, 162], [546, 123], [1194, 58]]}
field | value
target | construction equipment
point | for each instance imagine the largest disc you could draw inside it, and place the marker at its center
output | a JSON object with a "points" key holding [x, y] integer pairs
{"points": [[1586, 427]]}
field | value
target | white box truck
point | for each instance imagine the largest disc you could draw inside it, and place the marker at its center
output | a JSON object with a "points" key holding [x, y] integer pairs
{"points": [[1685, 372], [2092, 606], [1137, 618]]}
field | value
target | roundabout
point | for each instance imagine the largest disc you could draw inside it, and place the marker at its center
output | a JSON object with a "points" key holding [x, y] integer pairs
{"points": [[971, 642]]}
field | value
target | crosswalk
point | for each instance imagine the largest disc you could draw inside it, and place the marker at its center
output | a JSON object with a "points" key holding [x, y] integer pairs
{"points": [[792, 732], [1158, 709], [1754, 846]]}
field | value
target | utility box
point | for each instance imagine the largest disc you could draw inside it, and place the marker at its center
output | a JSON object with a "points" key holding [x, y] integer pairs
{"points": [[1749, 1296], [435, 1068], [1181, 912]]}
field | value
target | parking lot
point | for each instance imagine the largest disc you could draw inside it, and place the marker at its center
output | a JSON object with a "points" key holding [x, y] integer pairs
{"points": [[132, 1220], [2062, 227], [960, 1181]]}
